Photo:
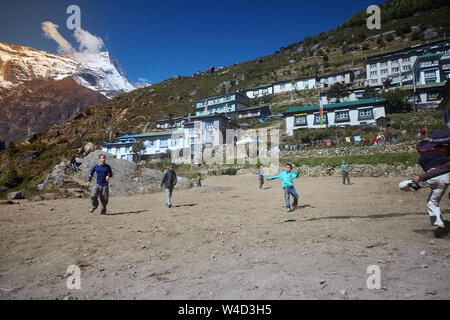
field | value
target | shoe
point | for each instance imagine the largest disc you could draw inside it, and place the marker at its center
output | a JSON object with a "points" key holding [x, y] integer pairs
{"points": [[440, 232], [91, 210], [288, 210], [103, 211], [408, 185]]}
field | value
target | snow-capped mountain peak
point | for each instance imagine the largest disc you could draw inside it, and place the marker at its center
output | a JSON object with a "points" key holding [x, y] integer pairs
{"points": [[95, 71]]}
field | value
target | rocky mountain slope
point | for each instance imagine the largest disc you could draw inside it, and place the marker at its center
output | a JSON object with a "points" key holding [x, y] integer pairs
{"points": [[35, 105]]}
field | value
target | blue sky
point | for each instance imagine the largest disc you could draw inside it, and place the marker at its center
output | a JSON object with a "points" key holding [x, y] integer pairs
{"points": [[159, 39]]}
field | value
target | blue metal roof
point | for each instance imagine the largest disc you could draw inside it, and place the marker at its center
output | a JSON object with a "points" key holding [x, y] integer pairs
{"points": [[117, 143], [128, 137]]}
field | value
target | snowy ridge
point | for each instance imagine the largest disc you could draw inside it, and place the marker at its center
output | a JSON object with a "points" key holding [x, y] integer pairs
{"points": [[94, 71]]}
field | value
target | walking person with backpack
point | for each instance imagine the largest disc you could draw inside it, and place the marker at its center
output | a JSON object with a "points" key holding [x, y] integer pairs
{"points": [[169, 181]]}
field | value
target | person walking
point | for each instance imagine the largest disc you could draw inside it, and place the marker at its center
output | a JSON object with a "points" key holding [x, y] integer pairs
{"points": [[261, 177], [199, 180], [345, 172], [101, 188], [169, 181]]}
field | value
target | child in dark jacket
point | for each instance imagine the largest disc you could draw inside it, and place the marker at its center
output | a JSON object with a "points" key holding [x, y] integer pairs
{"points": [[432, 156]]}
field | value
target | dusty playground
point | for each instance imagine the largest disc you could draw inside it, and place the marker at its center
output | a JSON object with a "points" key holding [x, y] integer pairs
{"points": [[229, 240]]}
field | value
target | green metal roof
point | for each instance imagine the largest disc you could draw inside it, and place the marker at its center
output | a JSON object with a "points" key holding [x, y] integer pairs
{"points": [[336, 105], [424, 86], [253, 108], [160, 133]]}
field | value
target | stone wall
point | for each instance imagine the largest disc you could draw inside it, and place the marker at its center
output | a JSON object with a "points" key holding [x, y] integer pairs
{"points": [[409, 146]]}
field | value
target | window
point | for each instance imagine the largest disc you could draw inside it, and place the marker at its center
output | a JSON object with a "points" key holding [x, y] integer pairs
{"points": [[365, 114], [394, 62], [384, 64], [127, 149], [108, 150], [373, 73], [209, 124], [300, 120], [406, 68], [373, 66], [306, 84], [432, 95], [342, 116], [396, 69], [406, 59], [163, 143], [173, 142], [317, 118]]}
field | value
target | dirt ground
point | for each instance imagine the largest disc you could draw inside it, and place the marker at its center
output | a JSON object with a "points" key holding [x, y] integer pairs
{"points": [[229, 240]]}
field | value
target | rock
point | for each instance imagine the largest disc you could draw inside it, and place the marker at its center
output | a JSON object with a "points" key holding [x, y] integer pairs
{"points": [[314, 47], [30, 156], [210, 70], [292, 61], [423, 253], [424, 266], [151, 90], [14, 195], [179, 98], [343, 292], [430, 33], [40, 186], [300, 49], [226, 85], [193, 93]]}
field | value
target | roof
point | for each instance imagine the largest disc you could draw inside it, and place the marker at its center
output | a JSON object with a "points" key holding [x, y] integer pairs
{"points": [[253, 108], [224, 95], [260, 87], [117, 143], [336, 73], [171, 119], [294, 80], [336, 105], [405, 51], [160, 133], [214, 115], [424, 86], [128, 137]]}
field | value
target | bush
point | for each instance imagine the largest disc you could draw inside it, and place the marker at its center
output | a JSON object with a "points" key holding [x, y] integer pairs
{"points": [[389, 37], [12, 179]]}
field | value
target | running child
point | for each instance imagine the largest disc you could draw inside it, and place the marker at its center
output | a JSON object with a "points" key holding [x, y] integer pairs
{"points": [[101, 188], [287, 177], [261, 177], [432, 155]]}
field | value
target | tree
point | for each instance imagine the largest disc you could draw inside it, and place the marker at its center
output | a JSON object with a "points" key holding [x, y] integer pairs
{"points": [[11, 149], [137, 149], [369, 93], [397, 100], [337, 90], [12, 179]]}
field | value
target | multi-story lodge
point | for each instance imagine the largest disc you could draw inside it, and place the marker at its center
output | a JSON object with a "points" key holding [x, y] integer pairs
{"points": [[398, 65], [227, 105], [353, 113]]}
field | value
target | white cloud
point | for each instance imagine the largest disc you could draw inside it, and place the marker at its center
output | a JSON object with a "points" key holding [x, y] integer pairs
{"points": [[88, 42], [51, 31]]}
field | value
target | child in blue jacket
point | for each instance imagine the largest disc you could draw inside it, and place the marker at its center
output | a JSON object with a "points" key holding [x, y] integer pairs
{"points": [[287, 182]]}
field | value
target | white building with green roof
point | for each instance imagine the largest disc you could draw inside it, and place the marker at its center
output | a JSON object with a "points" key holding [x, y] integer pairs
{"points": [[352, 113]]}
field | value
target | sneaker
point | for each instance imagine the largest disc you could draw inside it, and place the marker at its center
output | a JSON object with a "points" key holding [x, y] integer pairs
{"points": [[440, 232], [408, 185], [288, 210], [91, 210]]}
